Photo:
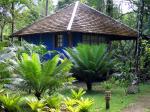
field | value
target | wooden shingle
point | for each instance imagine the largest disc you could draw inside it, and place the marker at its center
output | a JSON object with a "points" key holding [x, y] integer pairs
{"points": [[79, 17]]}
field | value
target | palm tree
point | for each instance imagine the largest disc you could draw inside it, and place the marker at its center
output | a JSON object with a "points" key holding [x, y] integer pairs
{"points": [[90, 62], [40, 77]]}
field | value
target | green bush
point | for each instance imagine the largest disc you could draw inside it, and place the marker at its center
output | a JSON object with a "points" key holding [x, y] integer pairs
{"points": [[32, 48], [107, 85], [78, 94], [54, 101], [91, 62], [77, 103], [35, 104], [10, 103], [39, 77]]}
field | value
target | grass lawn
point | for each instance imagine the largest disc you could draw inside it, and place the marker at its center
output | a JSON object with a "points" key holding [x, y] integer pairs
{"points": [[119, 99]]}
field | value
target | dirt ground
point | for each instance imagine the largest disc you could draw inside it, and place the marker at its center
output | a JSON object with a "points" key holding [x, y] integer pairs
{"points": [[141, 105]]}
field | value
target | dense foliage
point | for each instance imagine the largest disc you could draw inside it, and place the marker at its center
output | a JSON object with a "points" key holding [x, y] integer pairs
{"points": [[23, 67], [57, 103], [91, 62], [40, 77]]}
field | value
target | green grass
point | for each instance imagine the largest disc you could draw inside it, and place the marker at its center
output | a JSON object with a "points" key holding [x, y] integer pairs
{"points": [[147, 110], [119, 99]]}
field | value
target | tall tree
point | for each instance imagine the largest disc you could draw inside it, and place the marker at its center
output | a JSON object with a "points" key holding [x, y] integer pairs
{"points": [[13, 18], [46, 10], [63, 3], [4, 19], [11, 9], [16, 14], [109, 7], [44, 7], [140, 27], [100, 5]]}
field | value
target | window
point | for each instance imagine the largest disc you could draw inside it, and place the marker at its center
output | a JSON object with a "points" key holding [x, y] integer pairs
{"points": [[59, 41], [86, 39], [92, 39]]}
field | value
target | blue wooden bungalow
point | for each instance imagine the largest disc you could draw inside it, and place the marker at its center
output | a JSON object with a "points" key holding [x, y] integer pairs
{"points": [[76, 23]]}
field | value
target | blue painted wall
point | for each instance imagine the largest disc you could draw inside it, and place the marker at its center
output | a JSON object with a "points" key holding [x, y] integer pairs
{"points": [[77, 38], [47, 39]]}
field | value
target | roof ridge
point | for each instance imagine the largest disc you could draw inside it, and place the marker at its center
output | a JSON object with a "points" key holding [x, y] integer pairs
{"points": [[73, 15], [109, 17]]}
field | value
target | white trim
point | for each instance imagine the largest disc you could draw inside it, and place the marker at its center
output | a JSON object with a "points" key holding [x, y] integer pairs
{"points": [[73, 15]]}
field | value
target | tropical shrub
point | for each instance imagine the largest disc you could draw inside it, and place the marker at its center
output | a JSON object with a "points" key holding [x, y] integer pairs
{"points": [[54, 101], [32, 48], [85, 104], [124, 54], [10, 103], [35, 104], [6, 69], [82, 105], [107, 85], [77, 94], [145, 60], [39, 77], [4, 73], [77, 103], [91, 62]]}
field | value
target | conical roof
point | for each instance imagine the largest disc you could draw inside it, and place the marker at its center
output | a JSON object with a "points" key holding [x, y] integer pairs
{"points": [[78, 17]]}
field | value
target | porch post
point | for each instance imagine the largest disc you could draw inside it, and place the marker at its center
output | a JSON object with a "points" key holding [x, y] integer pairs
{"points": [[53, 37], [109, 42], [20, 40], [70, 39]]}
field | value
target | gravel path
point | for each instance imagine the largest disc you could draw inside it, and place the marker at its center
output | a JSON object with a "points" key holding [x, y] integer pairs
{"points": [[141, 105]]}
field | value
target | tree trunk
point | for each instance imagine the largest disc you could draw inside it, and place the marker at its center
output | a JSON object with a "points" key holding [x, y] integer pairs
{"points": [[12, 25], [140, 33], [6, 110], [1, 34], [46, 9], [89, 86], [109, 7], [38, 95]]}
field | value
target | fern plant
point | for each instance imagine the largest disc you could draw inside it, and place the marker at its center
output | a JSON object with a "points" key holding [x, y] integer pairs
{"points": [[85, 104], [77, 103], [77, 94], [72, 109], [39, 77], [107, 85], [35, 104], [91, 62], [80, 105], [10, 103], [54, 101], [70, 102]]}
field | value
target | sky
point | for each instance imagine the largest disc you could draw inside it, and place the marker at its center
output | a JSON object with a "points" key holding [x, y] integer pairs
{"points": [[55, 2], [126, 7]]}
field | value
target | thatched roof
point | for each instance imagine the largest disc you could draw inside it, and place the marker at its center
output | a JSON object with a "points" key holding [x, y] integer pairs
{"points": [[79, 17]]}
